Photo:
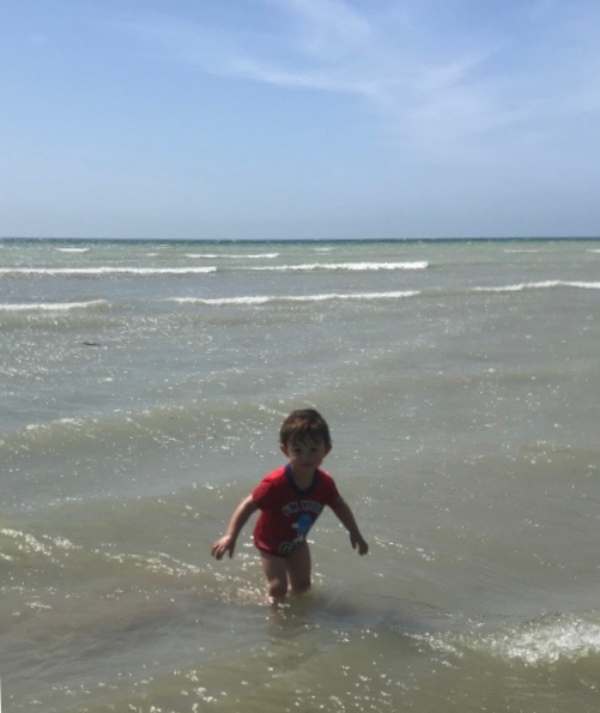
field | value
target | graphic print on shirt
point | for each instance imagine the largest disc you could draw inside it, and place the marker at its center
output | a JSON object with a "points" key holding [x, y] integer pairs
{"points": [[302, 526], [288, 513]]}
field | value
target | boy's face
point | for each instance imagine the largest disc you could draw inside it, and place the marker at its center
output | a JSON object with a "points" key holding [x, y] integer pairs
{"points": [[305, 456]]}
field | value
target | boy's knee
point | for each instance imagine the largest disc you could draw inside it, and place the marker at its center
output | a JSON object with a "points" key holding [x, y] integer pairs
{"points": [[302, 586], [277, 589]]}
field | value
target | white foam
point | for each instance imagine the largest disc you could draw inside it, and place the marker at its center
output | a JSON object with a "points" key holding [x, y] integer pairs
{"points": [[542, 642], [539, 285], [68, 423], [263, 299], [583, 285], [27, 542], [97, 271], [72, 250], [567, 638], [50, 306], [258, 300], [232, 256], [38, 606], [353, 266]]}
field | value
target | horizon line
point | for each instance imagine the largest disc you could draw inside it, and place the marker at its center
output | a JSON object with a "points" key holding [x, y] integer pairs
{"points": [[439, 238]]}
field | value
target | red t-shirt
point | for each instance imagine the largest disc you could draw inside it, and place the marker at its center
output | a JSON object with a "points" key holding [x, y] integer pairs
{"points": [[287, 512]]}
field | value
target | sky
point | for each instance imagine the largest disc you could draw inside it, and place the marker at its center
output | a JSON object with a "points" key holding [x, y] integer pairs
{"points": [[299, 119]]}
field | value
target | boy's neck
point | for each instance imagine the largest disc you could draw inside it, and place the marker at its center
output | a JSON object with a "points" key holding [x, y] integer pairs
{"points": [[303, 478]]}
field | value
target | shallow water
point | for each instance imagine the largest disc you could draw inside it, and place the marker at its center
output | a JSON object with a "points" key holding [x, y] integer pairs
{"points": [[142, 393]]}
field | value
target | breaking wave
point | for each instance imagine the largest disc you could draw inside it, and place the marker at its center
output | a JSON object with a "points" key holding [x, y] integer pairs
{"points": [[264, 299], [50, 306], [101, 271], [539, 286], [235, 256], [352, 266], [542, 642]]}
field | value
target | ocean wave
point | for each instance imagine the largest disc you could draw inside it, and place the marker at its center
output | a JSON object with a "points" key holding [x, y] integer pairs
{"points": [[235, 256], [51, 306], [72, 250], [19, 547], [542, 642], [352, 266], [100, 271], [192, 270], [162, 424], [548, 641], [97, 434], [264, 299], [539, 286], [27, 543]]}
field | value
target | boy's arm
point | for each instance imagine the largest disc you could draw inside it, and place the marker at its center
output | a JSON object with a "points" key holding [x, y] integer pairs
{"points": [[341, 508], [238, 520]]}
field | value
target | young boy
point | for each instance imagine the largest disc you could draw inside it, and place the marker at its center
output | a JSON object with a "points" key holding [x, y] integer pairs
{"points": [[291, 498]]}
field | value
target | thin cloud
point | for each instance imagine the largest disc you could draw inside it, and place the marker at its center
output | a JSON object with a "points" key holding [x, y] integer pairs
{"points": [[370, 66], [327, 29], [435, 95], [321, 81]]}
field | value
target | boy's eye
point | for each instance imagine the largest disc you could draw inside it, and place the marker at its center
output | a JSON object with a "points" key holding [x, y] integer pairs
{"points": [[304, 449]]}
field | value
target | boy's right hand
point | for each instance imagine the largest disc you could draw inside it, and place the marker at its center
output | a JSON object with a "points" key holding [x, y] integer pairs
{"points": [[222, 545]]}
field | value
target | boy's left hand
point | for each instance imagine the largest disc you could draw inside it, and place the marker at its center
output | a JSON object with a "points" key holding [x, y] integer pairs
{"points": [[356, 539]]}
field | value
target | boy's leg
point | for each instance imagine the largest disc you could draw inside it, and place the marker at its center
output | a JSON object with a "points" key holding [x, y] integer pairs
{"points": [[276, 574], [298, 568]]}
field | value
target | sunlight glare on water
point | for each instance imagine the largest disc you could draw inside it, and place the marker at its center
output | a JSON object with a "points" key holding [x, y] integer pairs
{"points": [[143, 386]]}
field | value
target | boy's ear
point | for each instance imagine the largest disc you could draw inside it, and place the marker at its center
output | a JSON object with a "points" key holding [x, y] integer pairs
{"points": [[284, 449]]}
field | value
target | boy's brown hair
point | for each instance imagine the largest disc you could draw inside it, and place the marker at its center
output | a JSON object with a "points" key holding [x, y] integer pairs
{"points": [[305, 424]]}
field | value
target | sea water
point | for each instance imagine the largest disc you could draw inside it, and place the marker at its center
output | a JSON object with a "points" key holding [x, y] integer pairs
{"points": [[142, 386]]}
